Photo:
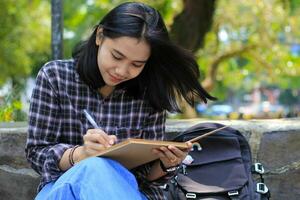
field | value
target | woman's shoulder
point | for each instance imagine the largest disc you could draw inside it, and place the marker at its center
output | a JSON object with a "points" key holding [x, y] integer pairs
{"points": [[59, 66], [59, 72]]}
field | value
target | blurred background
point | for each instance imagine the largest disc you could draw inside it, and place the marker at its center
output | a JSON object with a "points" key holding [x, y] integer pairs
{"points": [[248, 51]]}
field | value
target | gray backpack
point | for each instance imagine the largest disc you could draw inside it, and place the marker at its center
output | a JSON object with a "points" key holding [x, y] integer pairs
{"points": [[219, 167]]}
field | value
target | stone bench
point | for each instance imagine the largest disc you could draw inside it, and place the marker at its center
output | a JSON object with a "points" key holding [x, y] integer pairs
{"points": [[275, 143]]}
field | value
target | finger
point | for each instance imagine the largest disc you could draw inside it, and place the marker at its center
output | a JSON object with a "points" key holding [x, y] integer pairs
{"points": [[112, 139], [162, 157], [177, 152], [169, 154], [99, 137], [190, 146], [105, 138], [97, 131], [159, 153], [94, 146]]}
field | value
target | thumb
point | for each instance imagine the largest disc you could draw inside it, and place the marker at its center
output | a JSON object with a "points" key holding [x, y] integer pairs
{"points": [[112, 139]]}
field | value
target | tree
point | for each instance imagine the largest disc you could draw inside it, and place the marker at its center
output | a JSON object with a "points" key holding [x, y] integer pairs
{"points": [[251, 42], [195, 19], [192, 24], [248, 40], [24, 37], [25, 41], [80, 16]]}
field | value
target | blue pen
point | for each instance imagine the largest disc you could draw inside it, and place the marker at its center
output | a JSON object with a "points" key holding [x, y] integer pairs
{"points": [[90, 119]]}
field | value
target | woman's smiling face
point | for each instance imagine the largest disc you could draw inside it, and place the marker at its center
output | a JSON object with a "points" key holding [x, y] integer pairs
{"points": [[121, 59]]}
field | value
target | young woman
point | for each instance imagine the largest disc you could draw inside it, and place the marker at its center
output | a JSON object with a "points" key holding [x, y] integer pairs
{"points": [[127, 75]]}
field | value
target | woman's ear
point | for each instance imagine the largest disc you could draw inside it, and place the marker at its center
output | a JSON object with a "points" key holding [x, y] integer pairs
{"points": [[99, 36]]}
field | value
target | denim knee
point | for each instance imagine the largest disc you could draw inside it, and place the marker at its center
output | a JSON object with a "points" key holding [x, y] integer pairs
{"points": [[100, 166], [91, 161], [97, 176]]}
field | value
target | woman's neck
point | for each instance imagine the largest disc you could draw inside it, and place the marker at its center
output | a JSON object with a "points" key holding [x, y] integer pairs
{"points": [[106, 90]]}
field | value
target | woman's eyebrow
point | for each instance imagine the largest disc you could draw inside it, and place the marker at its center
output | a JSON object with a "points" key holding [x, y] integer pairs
{"points": [[121, 54]]}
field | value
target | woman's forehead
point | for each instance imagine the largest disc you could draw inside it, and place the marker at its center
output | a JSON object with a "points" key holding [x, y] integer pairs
{"points": [[130, 47]]}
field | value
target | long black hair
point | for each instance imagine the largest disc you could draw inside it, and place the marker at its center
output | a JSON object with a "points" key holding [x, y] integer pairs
{"points": [[170, 71]]}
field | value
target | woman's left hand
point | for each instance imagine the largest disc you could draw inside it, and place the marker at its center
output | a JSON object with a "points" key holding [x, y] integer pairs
{"points": [[172, 156]]}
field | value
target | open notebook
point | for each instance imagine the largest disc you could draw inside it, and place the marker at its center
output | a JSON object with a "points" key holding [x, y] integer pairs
{"points": [[135, 152]]}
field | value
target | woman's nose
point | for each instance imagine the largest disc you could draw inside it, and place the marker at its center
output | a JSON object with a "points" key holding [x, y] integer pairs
{"points": [[122, 70]]}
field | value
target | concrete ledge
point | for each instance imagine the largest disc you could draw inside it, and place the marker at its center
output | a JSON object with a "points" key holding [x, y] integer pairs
{"points": [[17, 184], [275, 143]]}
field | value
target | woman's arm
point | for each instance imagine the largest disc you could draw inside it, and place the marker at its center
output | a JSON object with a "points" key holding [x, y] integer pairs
{"points": [[156, 172], [154, 128], [43, 149]]}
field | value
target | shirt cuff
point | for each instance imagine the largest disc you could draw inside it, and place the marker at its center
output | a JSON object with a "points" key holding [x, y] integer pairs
{"points": [[55, 154]]}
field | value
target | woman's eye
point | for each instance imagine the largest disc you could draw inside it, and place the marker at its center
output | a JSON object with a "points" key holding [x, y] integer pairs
{"points": [[137, 66], [115, 57]]}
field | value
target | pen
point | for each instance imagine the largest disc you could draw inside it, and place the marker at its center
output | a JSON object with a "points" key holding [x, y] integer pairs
{"points": [[90, 119]]}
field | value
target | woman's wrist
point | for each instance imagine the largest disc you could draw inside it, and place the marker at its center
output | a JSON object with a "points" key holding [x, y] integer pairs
{"points": [[167, 169], [79, 154]]}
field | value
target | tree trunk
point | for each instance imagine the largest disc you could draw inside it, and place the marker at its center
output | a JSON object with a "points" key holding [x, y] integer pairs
{"points": [[189, 29], [57, 29], [191, 25]]}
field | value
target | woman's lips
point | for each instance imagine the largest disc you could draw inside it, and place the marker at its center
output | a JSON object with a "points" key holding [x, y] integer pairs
{"points": [[115, 79]]}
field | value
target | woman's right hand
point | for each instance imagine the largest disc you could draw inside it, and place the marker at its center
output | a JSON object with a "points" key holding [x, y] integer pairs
{"points": [[94, 142]]}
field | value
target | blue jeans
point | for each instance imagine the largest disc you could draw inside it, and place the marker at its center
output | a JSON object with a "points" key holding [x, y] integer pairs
{"points": [[92, 179]]}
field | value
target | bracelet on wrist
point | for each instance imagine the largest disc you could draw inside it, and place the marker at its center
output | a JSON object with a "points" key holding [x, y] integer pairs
{"points": [[169, 169], [71, 158]]}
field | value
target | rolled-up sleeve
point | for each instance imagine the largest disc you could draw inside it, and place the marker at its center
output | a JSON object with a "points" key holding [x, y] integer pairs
{"points": [[42, 148]]}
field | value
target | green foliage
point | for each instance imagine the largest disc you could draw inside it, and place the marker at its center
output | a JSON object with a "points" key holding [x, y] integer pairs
{"points": [[270, 27], [12, 112], [24, 37], [80, 17], [11, 108], [25, 44]]}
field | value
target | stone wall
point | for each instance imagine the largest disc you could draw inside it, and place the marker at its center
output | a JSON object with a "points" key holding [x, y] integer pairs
{"points": [[275, 143]]}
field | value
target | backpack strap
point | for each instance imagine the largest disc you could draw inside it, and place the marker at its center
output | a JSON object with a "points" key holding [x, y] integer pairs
{"points": [[233, 195], [261, 187]]}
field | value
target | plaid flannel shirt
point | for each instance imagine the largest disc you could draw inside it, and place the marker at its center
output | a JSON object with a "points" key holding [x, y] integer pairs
{"points": [[57, 122]]}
